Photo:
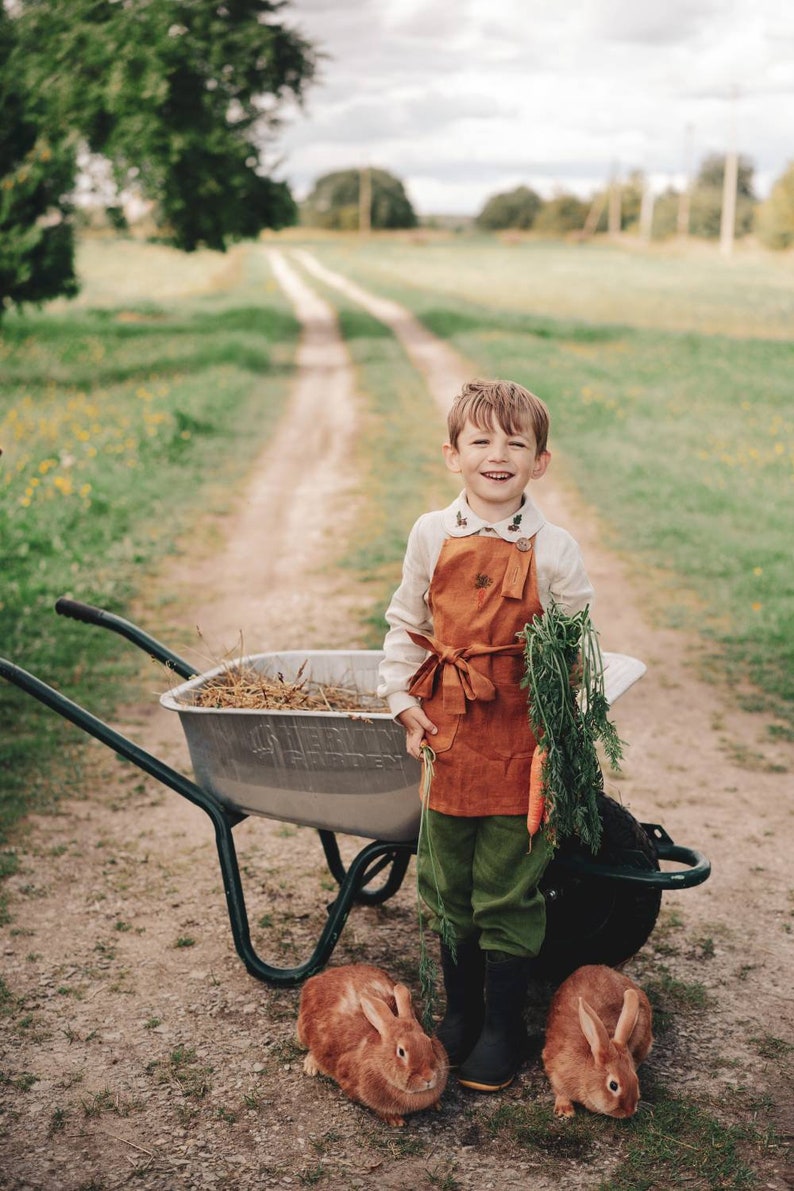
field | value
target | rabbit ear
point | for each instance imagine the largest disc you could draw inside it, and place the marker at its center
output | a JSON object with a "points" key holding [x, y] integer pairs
{"points": [[377, 1013], [628, 1016], [405, 1008], [594, 1031]]}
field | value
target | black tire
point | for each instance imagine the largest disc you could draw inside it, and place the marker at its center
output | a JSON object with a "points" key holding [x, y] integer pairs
{"points": [[590, 920]]}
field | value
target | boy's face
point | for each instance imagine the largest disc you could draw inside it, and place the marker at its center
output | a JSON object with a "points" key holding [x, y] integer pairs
{"points": [[496, 467]]}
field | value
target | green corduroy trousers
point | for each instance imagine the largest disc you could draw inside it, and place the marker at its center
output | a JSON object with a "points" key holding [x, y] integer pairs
{"points": [[481, 875]]}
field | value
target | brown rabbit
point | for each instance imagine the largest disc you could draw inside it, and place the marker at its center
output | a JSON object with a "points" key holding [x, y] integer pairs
{"points": [[584, 1064], [359, 1028]]}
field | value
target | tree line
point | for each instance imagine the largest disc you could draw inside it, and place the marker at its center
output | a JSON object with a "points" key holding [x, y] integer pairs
{"points": [[335, 203], [696, 211]]}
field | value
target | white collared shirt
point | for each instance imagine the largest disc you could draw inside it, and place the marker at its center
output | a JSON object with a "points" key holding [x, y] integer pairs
{"points": [[561, 579]]}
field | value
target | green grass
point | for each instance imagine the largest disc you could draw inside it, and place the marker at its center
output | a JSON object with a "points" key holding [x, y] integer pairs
{"points": [[119, 426], [683, 441], [672, 1141], [662, 288]]}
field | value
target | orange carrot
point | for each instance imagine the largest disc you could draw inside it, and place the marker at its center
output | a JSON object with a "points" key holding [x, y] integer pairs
{"points": [[537, 798]]}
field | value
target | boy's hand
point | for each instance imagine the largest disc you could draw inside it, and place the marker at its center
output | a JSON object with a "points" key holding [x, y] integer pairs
{"points": [[417, 727]]}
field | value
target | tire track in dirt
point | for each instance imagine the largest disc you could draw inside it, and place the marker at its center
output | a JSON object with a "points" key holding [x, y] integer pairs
{"points": [[443, 369], [690, 747], [275, 562]]}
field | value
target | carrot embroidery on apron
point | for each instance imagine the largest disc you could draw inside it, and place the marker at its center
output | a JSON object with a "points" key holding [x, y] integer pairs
{"points": [[481, 584]]}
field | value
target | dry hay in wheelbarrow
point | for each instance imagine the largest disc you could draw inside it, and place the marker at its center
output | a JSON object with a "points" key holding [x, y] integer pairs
{"points": [[243, 687]]}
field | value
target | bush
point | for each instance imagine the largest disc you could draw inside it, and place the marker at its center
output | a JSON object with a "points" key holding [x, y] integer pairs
{"points": [[563, 214], [512, 209]]}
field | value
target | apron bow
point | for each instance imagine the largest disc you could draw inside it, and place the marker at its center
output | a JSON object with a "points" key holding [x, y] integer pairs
{"points": [[460, 681]]}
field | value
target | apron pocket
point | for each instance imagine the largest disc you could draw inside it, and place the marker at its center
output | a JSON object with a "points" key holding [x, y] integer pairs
{"points": [[501, 729]]}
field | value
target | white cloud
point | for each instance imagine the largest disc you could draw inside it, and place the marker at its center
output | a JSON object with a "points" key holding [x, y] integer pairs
{"points": [[674, 22], [463, 99]]}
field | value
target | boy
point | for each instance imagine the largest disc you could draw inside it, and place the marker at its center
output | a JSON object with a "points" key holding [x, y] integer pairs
{"points": [[474, 574]]}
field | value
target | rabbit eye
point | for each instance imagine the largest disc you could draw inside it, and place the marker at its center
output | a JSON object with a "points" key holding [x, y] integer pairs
{"points": [[613, 1085], [401, 1052]]}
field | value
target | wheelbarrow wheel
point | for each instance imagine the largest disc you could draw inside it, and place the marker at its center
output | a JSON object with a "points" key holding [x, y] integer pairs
{"points": [[593, 920]]}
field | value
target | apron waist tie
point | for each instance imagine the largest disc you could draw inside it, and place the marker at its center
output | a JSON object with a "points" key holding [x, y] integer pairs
{"points": [[460, 681]]}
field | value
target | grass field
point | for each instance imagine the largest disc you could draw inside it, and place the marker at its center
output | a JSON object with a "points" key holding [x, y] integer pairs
{"points": [[668, 288], [119, 423], [681, 434]]}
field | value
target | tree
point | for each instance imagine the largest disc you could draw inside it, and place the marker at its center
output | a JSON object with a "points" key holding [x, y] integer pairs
{"points": [[334, 201], [562, 214], [775, 217], [711, 175], [36, 172], [182, 96], [511, 209], [706, 198]]}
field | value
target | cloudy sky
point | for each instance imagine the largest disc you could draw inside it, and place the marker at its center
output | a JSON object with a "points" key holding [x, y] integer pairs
{"points": [[465, 98]]}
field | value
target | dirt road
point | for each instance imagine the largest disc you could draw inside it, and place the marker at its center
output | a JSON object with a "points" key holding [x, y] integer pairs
{"points": [[137, 1050]]}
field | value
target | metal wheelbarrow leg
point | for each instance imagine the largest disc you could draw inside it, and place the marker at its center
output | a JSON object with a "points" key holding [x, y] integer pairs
{"points": [[352, 882]]}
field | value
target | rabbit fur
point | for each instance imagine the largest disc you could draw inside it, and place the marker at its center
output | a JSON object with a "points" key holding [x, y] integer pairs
{"points": [[359, 1028], [598, 1031]]}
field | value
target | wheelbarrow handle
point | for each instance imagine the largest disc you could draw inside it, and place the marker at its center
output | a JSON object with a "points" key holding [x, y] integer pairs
{"points": [[632, 869], [75, 610], [353, 882]]}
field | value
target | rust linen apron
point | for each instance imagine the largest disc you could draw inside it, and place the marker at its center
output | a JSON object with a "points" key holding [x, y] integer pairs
{"points": [[482, 593]]}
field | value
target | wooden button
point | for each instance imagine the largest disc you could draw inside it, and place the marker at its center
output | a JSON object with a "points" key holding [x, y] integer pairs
{"points": [[523, 544]]}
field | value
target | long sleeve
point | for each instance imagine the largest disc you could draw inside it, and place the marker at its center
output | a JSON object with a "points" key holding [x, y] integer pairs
{"points": [[408, 611], [562, 578]]}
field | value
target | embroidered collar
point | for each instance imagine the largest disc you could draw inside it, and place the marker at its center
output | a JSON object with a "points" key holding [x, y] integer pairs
{"points": [[460, 521]]}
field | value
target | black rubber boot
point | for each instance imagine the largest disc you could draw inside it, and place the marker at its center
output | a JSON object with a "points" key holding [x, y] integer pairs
{"points": [[502, 1045], [464, 978]]}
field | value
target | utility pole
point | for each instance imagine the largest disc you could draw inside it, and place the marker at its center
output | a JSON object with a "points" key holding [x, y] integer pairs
{"points": [[614, 213], [593, 215], [728, 217], [365, 200], [729, 187], [646, 211], [685, 199]]}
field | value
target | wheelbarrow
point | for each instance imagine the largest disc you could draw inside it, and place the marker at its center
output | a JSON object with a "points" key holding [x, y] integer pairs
{"points": [[347, 773]]}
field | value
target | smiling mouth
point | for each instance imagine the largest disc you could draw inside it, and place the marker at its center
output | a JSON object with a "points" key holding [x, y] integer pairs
{"points": [[498, 475]]}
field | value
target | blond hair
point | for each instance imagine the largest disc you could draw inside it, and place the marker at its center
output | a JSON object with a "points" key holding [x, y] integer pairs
{"points": [[511, 406]]}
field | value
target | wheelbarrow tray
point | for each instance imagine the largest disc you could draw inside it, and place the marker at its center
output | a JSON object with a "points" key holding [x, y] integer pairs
{"points": [[336, 770]]}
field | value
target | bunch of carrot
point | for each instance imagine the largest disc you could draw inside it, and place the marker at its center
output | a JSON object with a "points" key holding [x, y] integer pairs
{"points": [[567, 707]]}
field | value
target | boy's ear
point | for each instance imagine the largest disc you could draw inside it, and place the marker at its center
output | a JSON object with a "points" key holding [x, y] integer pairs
{"points": [[451, 457], [541, 463]]}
